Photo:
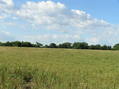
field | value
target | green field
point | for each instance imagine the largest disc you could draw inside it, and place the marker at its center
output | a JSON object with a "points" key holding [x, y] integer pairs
{"points": [[40, 68]]}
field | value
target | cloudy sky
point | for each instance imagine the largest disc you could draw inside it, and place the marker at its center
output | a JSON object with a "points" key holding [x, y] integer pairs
{"points": [[46, 21]]}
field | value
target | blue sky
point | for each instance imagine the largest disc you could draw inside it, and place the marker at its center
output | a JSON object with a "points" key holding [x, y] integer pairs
{"points": [[102, 9], [46, 21]]}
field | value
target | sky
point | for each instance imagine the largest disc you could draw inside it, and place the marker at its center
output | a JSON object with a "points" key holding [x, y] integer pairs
{"points": [[48, 21]]}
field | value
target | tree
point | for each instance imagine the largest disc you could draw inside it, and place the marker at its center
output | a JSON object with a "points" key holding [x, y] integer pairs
{"points": [[38, 44], [116, 47], [7, 43], [95, 46], [16, 43], [76, 45], [1, 44], [109, 47], [80, 45], [105, 47], [46, 46], [26, 44], [65, 45], [52, 45]]}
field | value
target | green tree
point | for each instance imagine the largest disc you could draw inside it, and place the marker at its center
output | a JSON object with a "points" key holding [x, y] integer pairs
{"points": [[52, 45], [116, 47], [65, 45], [105, 47], [26, 44], [16, 43], [80, 45], [95, 46], [38, 45], [7, 43]]}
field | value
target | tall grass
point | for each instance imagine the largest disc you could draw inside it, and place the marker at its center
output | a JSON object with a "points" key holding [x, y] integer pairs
{"points": [[30, 68], [31, 78]]}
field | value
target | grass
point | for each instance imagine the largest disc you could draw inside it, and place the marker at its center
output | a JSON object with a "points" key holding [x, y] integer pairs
{"points": [[35, 68]]}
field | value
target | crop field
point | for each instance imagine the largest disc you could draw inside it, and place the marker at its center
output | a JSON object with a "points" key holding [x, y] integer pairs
{"points": [[41, 68]]}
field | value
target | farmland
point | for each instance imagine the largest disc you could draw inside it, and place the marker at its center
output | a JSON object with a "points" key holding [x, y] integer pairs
{"points": [[43, 68]]}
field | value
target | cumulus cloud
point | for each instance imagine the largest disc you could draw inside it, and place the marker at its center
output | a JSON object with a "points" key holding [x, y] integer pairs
{"points": [[49, 16], [7, 2], [6, 8], [55, 16]]}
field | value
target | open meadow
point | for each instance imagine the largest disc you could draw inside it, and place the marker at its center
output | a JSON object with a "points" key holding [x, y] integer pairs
{"points": [[41, 68]]}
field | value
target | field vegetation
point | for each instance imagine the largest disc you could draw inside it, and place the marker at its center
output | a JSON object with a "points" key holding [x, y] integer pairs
{"points": [[45, 68]]}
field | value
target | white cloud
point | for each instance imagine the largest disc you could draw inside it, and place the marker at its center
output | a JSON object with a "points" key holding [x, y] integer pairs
{"points": [[49, 16], [93, 40], [6, 2], [56, 16], [48, 38], [6, 8], [2, 17], [5, 36]]}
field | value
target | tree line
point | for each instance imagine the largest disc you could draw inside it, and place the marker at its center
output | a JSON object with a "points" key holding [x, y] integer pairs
{"points": [[75, 45]]}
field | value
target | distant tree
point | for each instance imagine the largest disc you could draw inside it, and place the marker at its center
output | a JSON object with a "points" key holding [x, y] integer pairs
{"points": [[109, 47], [46, 46], [84, 45], [52, 45], [16, 43], [7, 43], [38, 45], [116, 47], [80, 45], [1, 44], [76, 45], [26, 44], [95, 46], [65, 45], [105, 47]]}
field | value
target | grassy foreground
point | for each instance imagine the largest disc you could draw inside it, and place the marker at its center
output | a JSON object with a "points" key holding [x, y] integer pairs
{"points": [[35, 68]]}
